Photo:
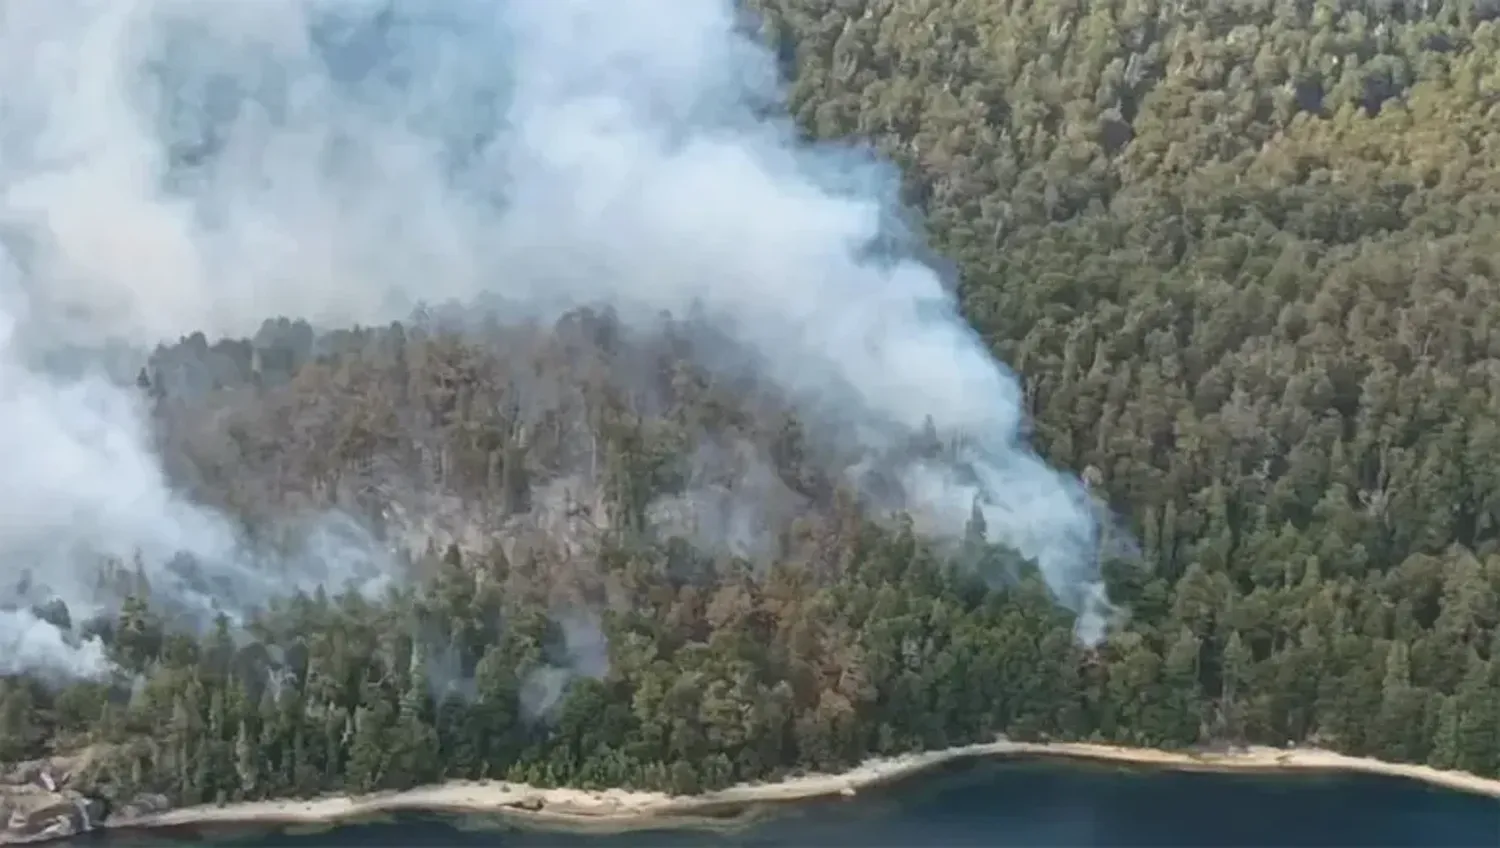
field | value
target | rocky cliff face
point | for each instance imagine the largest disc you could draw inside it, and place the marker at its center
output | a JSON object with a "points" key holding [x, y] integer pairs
{"points": [[37, 804], [42, 819], [42, 800]]}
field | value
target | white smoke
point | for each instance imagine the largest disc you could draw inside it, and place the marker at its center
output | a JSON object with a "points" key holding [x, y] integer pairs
{"points": [[83, 487], [733, 503], [31, 644], [169, 166], [584, 653]]}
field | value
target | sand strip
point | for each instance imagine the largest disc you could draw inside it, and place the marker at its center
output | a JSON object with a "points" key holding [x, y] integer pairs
{"points": [[628, 809]]}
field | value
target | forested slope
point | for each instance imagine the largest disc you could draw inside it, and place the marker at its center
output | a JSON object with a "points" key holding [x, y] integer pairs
{"points": [[1241, 255]]}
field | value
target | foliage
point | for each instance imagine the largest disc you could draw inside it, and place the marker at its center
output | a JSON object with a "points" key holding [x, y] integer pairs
{"points": [[1241, 254]]}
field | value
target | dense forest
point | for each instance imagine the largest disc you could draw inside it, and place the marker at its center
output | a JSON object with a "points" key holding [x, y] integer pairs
{"points": [[1241, 254]]}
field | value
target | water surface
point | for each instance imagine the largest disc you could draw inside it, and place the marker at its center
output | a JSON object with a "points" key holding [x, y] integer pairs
{"points": [[1007, 804]]}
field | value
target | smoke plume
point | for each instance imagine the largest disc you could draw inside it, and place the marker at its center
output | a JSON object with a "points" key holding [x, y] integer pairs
{"points": [[583, 652], [169, 166]]}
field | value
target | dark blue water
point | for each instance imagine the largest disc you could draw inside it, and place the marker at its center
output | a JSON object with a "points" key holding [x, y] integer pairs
{"points": [[1010, 805]]}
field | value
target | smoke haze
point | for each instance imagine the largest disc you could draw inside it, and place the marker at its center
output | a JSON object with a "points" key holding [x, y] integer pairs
{"points": [[169, 166], [583, 652]]}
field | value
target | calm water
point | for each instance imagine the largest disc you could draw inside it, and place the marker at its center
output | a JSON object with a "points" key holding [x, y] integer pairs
{"points": [[1014, 805]]}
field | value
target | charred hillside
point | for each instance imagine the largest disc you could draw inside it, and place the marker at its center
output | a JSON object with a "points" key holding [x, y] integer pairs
{"points": [[543, 444]]}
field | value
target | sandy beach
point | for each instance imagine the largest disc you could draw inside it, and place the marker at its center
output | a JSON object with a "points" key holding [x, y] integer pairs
{"points": [[622, 809]]}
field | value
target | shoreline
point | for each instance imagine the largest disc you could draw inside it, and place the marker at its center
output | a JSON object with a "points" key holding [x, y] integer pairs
{"points": [[619, 809]]}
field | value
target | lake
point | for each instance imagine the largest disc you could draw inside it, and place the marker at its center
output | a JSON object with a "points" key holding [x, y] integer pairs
{"points": [[1010, 804]]}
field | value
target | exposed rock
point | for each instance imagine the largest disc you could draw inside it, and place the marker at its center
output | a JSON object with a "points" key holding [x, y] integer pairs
{"points": [[63, 816], [37, 803], [47, 799], [50, 775], [140, 807], [38, 815]]}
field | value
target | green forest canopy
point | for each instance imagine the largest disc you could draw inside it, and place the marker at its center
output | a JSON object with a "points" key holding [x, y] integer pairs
{"points": [[1241, 253]]}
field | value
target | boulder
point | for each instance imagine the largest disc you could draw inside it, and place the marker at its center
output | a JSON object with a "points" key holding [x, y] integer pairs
{"points": [[38, 819], [140, 806], [37, 804]]}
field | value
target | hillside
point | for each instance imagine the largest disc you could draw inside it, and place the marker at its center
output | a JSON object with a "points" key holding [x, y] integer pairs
{"points": [[1241, 256]]}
